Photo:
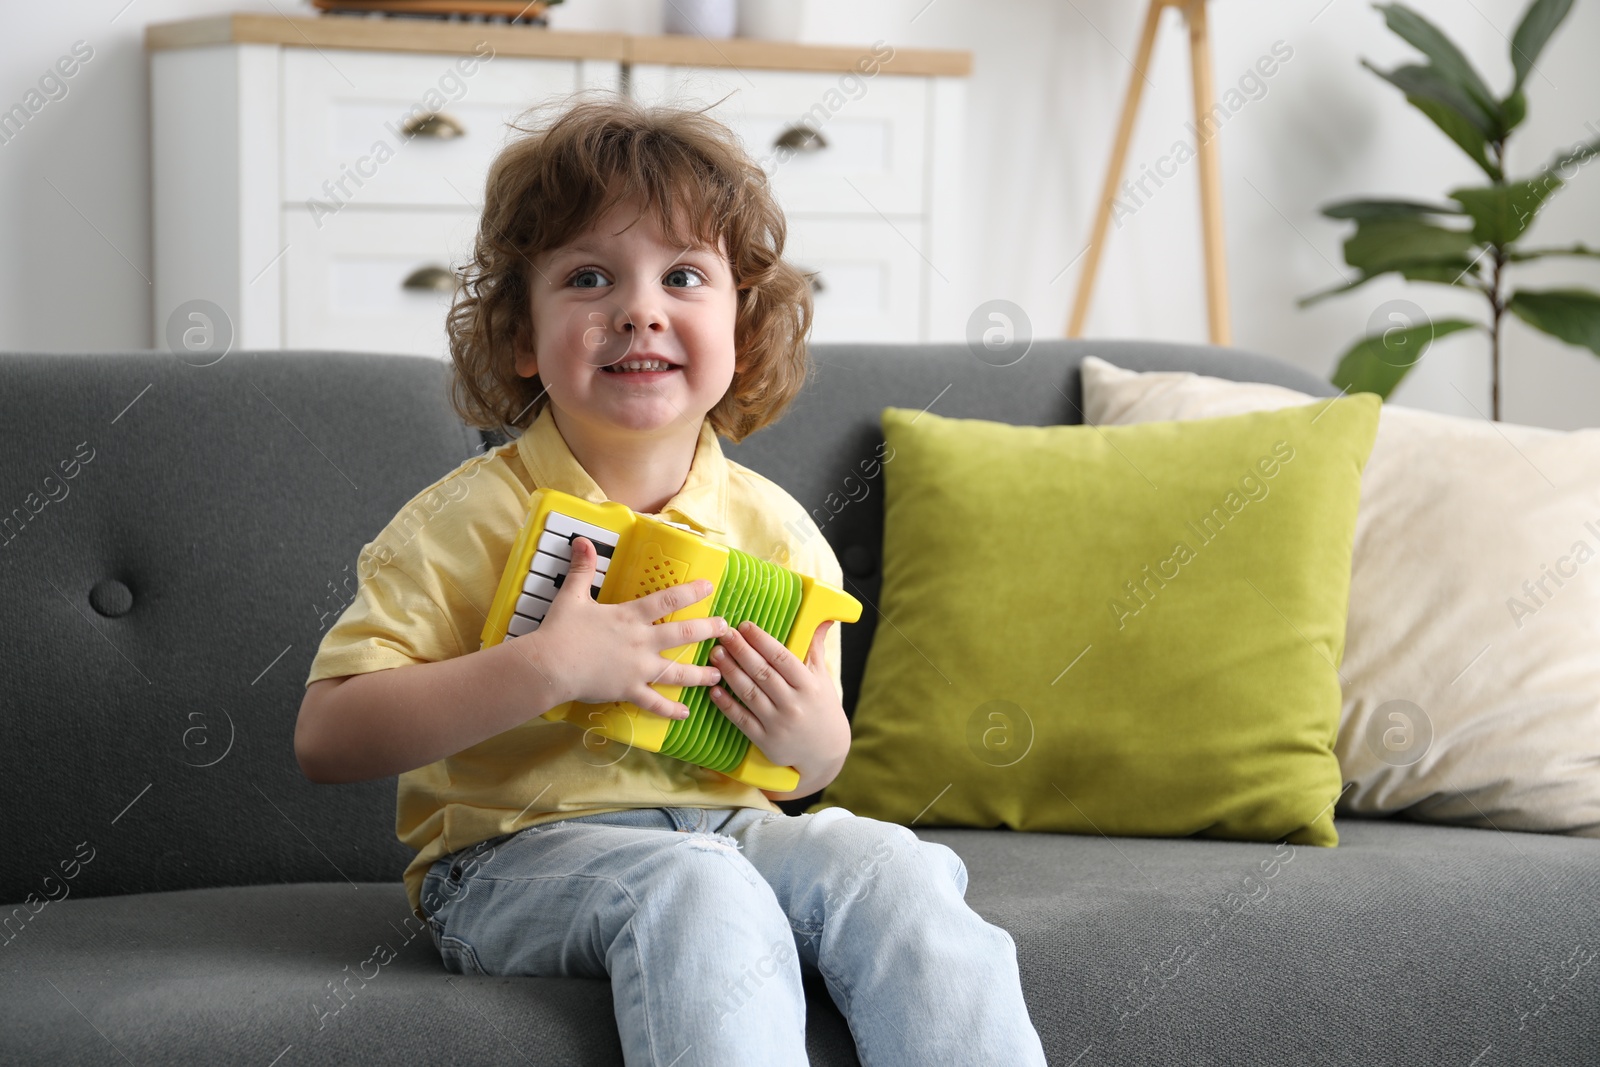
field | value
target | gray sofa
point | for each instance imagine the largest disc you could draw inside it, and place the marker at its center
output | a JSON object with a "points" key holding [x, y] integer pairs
{"points": [[176, 539]]}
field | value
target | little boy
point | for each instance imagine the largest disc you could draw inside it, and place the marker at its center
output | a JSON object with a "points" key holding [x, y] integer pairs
{"points": [[627, 304]]}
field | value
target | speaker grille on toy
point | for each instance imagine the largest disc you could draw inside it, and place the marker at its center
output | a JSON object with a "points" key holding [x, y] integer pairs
{"points": [[660, 571]]}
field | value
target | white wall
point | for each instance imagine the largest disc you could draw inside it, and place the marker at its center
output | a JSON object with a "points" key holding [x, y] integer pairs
{"points": [[1047, 82]]}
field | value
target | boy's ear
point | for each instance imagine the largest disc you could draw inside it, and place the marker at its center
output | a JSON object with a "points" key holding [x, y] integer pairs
{"points": [[527, 362]]}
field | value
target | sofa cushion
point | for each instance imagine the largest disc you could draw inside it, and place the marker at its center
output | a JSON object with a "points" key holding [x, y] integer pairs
{"points": [[1473, 685], [1407, 944], [1133, 630]]}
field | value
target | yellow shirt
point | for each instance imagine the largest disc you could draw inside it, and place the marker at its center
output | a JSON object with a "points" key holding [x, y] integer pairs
{"points": [[424, 586]]}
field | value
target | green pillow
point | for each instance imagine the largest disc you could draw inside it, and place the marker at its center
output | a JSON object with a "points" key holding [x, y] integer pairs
{"points": [[1129, 630]]}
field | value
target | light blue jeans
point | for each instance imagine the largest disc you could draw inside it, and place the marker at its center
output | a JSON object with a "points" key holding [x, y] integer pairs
{"points": [[704, 917]]}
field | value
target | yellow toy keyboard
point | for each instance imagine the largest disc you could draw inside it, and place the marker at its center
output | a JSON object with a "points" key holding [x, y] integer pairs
{"points": [[637, 556]]}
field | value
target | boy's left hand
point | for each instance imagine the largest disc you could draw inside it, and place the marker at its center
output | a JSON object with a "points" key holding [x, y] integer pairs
{"points": [[791, 709]]}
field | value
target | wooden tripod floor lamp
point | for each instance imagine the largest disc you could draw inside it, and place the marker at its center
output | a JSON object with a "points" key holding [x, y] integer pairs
{"points": [[1194, 12]]}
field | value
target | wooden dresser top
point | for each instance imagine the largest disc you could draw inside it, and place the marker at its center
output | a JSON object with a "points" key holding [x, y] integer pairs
{"points": [[438, 35]]}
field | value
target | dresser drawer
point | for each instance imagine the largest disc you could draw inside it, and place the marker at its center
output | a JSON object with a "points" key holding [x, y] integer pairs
{"points": [[345, 113], [873, 131], [344, 283], [869, 278], [329, 205]]}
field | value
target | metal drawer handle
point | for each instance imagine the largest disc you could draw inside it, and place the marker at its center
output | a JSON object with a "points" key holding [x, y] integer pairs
{"points": [[800, 138], [434, 124], [433, 278]]}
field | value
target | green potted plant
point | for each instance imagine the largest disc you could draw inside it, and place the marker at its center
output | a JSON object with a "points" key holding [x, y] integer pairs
{"points": [[1471, 242]]}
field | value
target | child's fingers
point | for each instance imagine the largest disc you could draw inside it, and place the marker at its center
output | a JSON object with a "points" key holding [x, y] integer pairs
{"points": [[761, 689], [664, 602], [817, 655], [670, 635], [654, 701], [748, 722], [580, 575], [762, 656], [687, 674], [656, 704]]}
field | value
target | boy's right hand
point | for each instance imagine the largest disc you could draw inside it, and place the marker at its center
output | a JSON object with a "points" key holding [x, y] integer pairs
{"points": [[609, 652]]}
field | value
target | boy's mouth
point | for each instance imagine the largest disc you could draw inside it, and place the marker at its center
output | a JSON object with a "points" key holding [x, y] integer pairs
{"points": [[640, 367]]}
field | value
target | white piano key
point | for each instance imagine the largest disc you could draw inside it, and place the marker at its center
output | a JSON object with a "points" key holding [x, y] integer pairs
{"points": [[551, 545], [558, 555], [521, 624], [540, 585], [566, 527], [554, 545], [534, 607], [548, 565], [544, 584]]}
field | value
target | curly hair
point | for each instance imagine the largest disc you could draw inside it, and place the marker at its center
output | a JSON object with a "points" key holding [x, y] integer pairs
{"points": [[548, 186]]}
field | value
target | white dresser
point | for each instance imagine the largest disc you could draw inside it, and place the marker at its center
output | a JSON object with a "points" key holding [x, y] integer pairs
{"points": [[319, 179]]}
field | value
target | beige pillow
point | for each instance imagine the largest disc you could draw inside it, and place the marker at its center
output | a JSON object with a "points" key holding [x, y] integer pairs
{"points": [[1471, 672]]}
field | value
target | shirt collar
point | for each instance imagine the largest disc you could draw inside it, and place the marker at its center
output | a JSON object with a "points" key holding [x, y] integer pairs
{"points": [[702, 502]]}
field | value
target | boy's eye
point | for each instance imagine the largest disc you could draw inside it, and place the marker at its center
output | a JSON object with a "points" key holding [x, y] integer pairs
{"points": [[588, 278], [686, 277]]}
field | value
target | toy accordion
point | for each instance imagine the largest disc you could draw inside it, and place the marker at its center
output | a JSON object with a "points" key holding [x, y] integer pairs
{"points": [[637, 556]]}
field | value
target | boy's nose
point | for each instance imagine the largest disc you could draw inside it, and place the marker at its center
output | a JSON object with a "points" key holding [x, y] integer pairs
{"points": [[648, 322], [639, 309]]}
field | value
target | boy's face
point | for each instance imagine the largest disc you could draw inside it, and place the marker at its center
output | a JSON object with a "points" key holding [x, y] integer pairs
{"points": [[620, 293]]}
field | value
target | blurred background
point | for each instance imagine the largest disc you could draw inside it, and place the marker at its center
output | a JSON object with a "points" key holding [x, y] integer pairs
{"points": [[1041, 103]]}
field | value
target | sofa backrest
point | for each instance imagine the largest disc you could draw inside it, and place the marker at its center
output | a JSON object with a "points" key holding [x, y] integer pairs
{"points": [[175, 539]]}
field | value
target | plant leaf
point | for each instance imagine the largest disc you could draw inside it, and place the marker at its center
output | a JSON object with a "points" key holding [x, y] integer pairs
{"points": [[1451, 273], [1429, 84], [1342, 287], [1463, 133], [1573, 315], [1513, 109], [1579, 249], [1386, 209], [1384, 244], [1447, 58], [1533, 33], [1577, 155], [1445, 272], [1376, 364], [1502, 213]]}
